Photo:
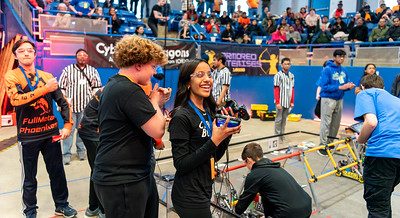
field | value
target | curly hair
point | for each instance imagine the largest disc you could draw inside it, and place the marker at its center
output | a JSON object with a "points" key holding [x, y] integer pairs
{"points": [[132, 50]]}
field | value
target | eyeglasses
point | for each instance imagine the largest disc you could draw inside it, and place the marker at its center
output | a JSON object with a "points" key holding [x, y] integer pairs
{"points": [[82, 55], [201, 74], [29, 50]]}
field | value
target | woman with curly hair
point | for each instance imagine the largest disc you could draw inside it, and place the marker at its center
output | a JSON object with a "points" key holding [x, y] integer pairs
{"points": [[129, 119], [196, 140]]}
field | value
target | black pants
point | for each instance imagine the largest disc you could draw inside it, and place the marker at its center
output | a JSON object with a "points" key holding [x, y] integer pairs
{"points": [[381, 176], [184, 212], [91, 147], [153, 27], [136, 199], [52, 156]]}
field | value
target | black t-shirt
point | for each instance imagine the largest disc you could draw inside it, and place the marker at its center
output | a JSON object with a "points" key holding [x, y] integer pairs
{"points": [[124, 153], [89, 127], [192, 149], [155, 8]]}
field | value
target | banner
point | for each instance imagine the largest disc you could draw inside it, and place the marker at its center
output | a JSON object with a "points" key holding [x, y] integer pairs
{"points": [[101, 50], [244, 60]]}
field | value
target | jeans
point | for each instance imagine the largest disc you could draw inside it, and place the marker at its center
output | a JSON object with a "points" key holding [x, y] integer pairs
{"points": [[200, 8], [231, 9], [252, 11], [209, 5], [67, 143]]}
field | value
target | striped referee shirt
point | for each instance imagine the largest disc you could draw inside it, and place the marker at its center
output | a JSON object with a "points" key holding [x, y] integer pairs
{"points": [[78, 85], [285, 82], [221, 77]]}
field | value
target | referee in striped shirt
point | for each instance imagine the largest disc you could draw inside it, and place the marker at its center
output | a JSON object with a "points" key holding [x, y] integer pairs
{"points": [[78, 82], [283, 95], [222, 80]]}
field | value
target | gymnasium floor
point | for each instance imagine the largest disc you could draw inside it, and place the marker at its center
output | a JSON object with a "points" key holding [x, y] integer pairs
{"points": [[336, 196]]}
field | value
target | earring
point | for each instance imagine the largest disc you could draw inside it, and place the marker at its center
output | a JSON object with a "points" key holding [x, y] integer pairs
{"points": [[188, 87]]}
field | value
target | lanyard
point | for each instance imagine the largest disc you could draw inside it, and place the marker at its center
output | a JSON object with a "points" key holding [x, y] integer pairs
{"points": [[28, 81], [209, 130]]}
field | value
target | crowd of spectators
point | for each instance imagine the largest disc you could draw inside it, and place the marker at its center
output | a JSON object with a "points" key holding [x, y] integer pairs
{"points": [[237, 26]]}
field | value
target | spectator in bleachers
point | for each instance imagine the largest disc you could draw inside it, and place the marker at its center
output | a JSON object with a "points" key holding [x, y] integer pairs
{"points": [[217, 6], [133, 9], [339, 30], [339, 26], [82, 7], [200, 6], [209, 6], [284, 24], [63, 20], [396, 8], [393, 33], [359, 33], [298, 26], [270, 27], [253, 7], [115, 21], [228, 35], [303, 13], [284, 18], [388, 17], [106, 4], [368, 15], [215, 17], [381, 10], [202, 18], [239, 10], [184, 21], [244, 20], [265, 4], [156, 17], [230, 7], [322, 36], [213, 27], [353, 21], [379, 33], [185, 32], [225, 19], [186, 5], [312, 21], [145, 3], [339, 12], [98, 13], [139, 31], [290, 15], [253, 29], [324, 21], [192, 15], [279, 36], [66, 2], [293, 36], [202, 37], [246, 39]]}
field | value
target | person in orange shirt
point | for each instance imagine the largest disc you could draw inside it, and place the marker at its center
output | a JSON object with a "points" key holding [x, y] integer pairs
{"points": [[32, 92], [244, 20], [253, 7]]}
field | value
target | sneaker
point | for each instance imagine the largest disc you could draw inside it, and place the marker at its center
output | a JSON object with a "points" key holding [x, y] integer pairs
{"points": [[322, 152], [31, 215], [66, 211], [102, 215], [81, 157], [66, 160], [92, 213]]}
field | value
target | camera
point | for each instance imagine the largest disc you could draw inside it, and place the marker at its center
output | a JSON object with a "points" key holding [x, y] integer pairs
{"points": [[240, 110], [233, 122]]}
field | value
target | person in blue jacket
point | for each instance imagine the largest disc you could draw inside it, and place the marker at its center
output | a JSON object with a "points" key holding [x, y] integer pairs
{"points": [[334, 82]]}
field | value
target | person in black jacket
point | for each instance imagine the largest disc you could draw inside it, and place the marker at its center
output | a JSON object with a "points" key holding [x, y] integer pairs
{"points": [[89, 132], [281, 195], [393, 33], [359, 33], [196, 140]]}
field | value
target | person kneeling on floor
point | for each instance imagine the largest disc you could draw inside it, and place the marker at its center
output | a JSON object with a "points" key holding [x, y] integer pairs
{"points": [[281, 195]]}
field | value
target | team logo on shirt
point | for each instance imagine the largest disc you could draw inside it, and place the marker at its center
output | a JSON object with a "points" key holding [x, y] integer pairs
{"points": [[41, 104], [203, 128]]}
